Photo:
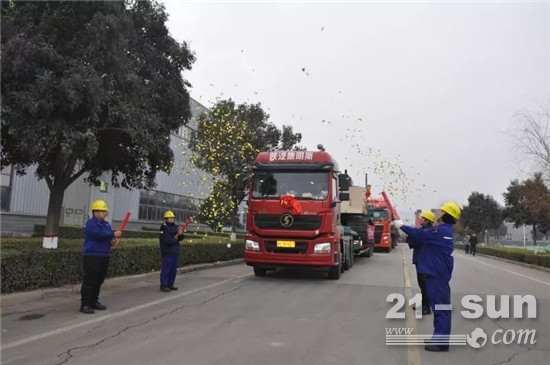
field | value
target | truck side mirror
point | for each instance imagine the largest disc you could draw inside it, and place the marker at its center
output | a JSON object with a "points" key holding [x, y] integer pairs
{"points": [[242, 182], [344, 182]]}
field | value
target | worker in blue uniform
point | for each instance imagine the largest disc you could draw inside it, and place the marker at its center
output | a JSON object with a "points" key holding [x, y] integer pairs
{"points": [[427, 219], [170, 237], [436, 261], [98, 240]]}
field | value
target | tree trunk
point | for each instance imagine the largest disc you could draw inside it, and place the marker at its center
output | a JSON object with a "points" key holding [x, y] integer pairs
{"points": [[55, 205], [534, 234]]}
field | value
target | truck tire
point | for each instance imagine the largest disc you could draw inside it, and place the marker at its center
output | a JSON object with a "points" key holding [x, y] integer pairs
{"points": [[335, 272], [370, 251], [358, 223], [258, 271], [347, 253]]}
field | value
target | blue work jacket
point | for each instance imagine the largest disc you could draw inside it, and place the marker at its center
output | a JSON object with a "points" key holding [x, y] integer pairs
{"points": [[169, 243], [436, 247], [416, 247], [97, 237]]}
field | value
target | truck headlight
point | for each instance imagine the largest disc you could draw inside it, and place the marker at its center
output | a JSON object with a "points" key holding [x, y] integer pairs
{"points": [[252, 245], [323, 247]]}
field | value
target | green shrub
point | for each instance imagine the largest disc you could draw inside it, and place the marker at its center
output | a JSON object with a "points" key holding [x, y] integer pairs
{"points": [[66, 231], [25, 265], [513, 253], [78, 232]]}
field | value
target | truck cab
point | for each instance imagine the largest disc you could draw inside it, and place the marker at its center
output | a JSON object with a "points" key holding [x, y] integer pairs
{"points": [[384, 237], [293, 215]]}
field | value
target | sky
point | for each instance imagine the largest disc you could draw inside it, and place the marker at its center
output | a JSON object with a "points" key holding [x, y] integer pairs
{"points": [[420, 96]]}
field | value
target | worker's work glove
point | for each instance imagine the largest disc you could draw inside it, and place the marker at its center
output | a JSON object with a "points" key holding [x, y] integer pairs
{"points": [[397, 223]]}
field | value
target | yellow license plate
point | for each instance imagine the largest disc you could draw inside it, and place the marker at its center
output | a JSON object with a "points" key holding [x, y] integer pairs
{"points": [[288, 244]]}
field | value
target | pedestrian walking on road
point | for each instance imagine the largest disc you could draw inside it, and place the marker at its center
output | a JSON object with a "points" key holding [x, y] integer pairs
{"points": [[436, 260], [466, 242], [427, 219], [98, 239], [473, 244], [170, 237]]}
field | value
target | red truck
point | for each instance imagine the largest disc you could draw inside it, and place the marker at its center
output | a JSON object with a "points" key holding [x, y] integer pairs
{"points": [[385, 238], [293, 217]]}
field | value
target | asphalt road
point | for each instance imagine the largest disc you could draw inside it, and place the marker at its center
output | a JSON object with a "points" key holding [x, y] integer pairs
{"points": [[227, 316]]}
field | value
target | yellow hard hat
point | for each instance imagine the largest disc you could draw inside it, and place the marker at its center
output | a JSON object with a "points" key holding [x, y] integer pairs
{"points": [[169, 214], [452, 209], [428, 214], [99, 205]]}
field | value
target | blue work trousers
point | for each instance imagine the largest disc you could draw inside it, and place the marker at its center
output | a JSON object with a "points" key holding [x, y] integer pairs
{"points": [[169, 270], [439, 292]]}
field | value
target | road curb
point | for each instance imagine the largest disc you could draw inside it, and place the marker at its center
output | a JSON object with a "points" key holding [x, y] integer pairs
{"points": [[40, 294], [531, 266]]}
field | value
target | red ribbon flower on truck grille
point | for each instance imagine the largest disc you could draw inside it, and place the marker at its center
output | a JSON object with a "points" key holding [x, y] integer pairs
{"points": [[289, 202]]}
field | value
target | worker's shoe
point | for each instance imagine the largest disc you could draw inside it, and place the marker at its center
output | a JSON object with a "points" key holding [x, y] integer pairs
{"points": [[86, 309], [435, 348], [172, 287], [165, 289], [99, 306]]}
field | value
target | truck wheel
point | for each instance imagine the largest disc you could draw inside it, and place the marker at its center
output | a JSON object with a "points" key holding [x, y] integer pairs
{"points": [[335, 272], [344, 261], [345, 254], [258, 271], [370, 251]]}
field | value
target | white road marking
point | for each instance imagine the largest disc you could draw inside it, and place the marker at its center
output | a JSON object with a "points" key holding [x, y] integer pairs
{"points": [[413, 353], [508, 271], [122, 313]]}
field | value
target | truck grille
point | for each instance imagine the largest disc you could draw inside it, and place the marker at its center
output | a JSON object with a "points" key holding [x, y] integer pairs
{"points": [[271, 246], [378, 229], [301, 222]]}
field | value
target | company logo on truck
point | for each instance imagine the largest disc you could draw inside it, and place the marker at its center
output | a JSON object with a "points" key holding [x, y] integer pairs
{"points": [[287, 220]]}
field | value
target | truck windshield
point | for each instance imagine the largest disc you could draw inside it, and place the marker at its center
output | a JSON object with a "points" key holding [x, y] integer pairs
{"points": [[378, 214], [302, 185]]}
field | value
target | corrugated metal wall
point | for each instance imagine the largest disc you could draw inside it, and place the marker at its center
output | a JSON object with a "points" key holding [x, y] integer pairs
{"points": [[76, 203], [125, 200], [30, 196], [184, 179]]}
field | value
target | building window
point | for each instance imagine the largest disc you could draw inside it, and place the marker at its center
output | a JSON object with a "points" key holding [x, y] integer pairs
{"points": [[5, 183], [185, 133], [153, 204]]}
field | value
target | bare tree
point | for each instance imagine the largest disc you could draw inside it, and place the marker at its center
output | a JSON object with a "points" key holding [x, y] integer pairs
{"points": [[532, 137]]}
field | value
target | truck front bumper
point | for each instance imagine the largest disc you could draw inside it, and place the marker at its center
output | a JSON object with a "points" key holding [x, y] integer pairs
{"points": [[254, 258]]}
